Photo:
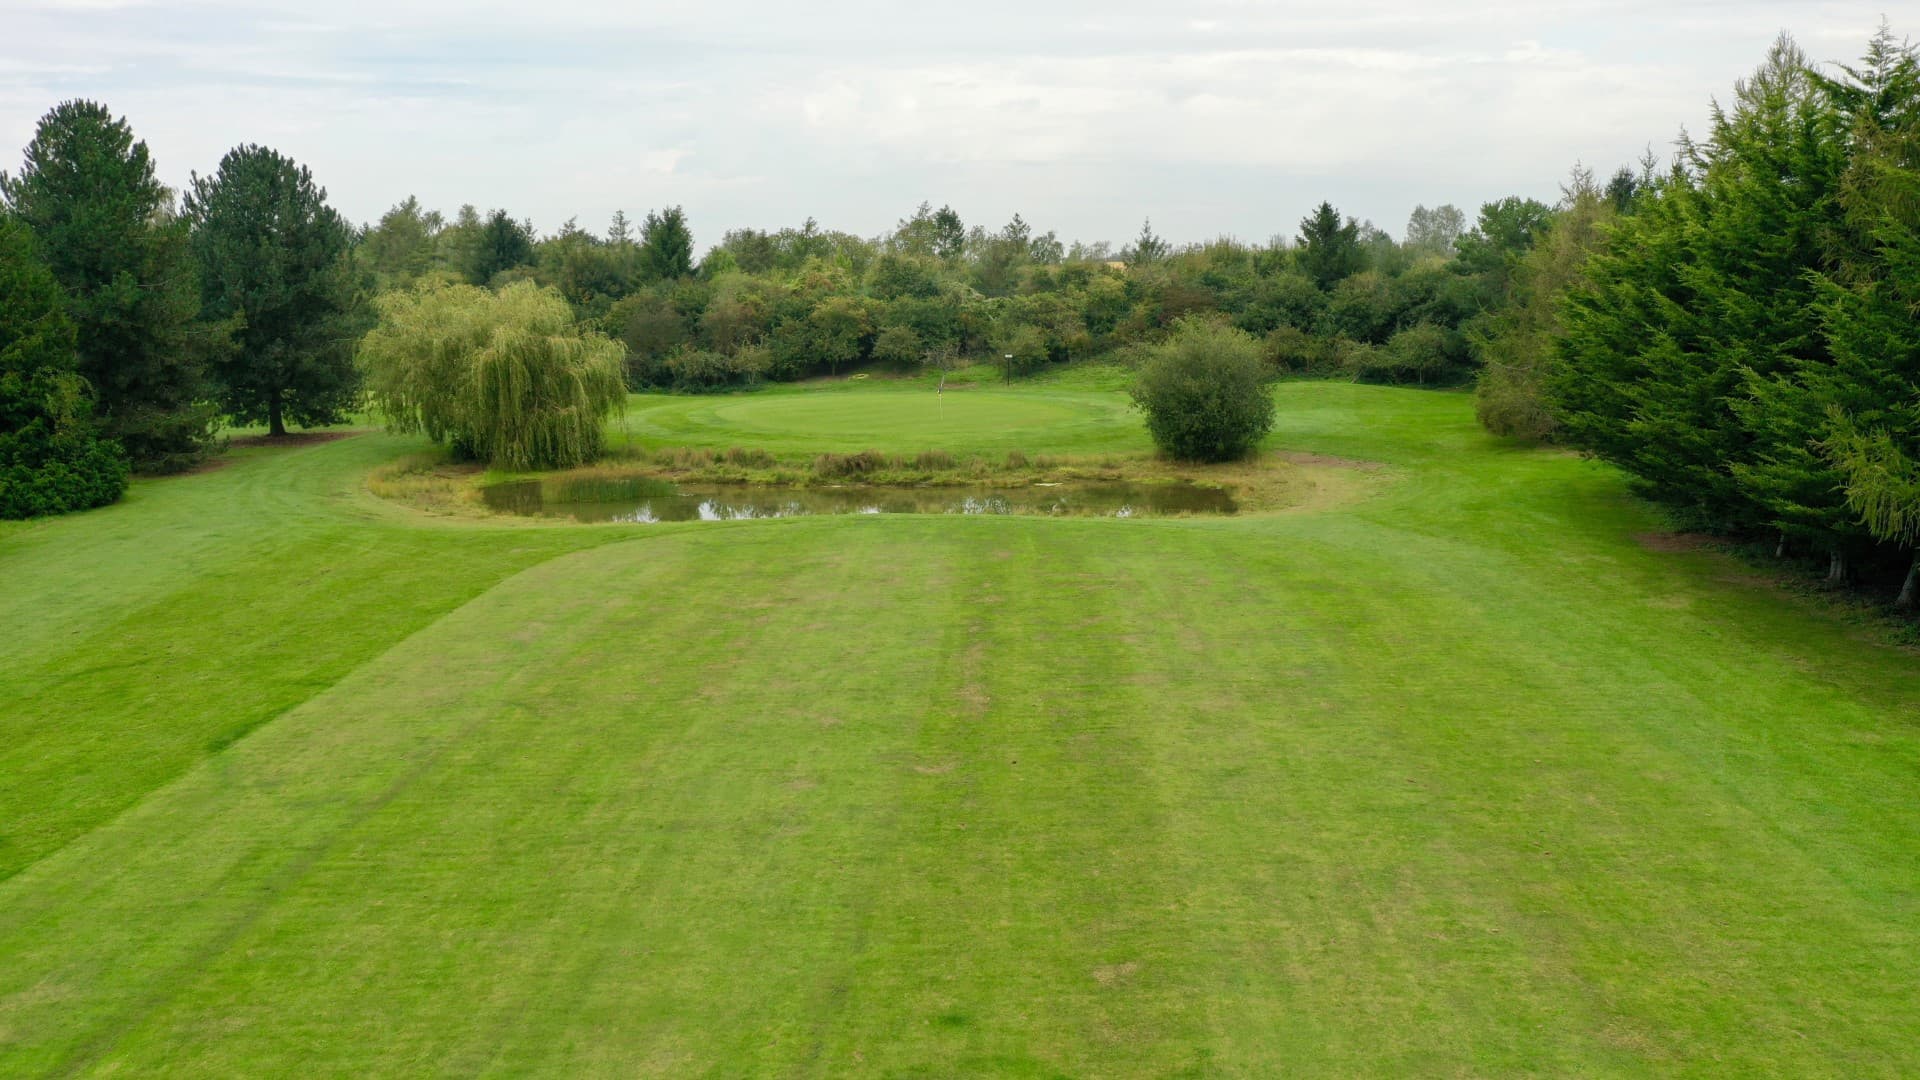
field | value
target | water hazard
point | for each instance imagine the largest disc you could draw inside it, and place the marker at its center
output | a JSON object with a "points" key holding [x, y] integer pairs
{"points": [[642, 499]]}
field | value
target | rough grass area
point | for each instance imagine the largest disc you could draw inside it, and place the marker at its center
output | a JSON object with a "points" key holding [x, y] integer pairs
{"points": [[1266, 483], [1453, 777]]}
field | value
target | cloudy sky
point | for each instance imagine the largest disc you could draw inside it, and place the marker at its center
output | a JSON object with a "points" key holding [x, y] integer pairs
{"points": [[1212, 117]]}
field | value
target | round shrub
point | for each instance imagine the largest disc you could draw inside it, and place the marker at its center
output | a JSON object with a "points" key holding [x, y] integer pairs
{"points": [[54, 474], [1204, 392], [897, 346]]}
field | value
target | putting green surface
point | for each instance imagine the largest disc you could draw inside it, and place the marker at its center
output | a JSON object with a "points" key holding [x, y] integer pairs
{"points": [[1460, 779], [893, 419]]}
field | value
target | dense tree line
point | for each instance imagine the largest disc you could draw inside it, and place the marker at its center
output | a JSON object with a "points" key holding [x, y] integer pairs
{"points": [[1339, 297], [238, 305], [1739, 333]]}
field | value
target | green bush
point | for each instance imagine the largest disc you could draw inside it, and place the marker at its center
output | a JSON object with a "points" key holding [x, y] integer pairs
{"points": [[1422, 353], [702, 370], [51, 460], [1511, 401], [651, 329], [1026, 344], [1204, 392], [898, 346], [1291, 349], [42, 474]]}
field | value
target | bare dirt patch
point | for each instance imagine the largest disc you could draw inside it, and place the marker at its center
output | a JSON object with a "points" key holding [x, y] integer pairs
{"points": [[1669, 543], [216, 462], [1302, 457], [206, 465], [1114, 974], [293, 438]]}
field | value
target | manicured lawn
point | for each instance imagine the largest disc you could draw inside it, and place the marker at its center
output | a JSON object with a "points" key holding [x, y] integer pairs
{"points": [[1457, 779], [903, 416]]}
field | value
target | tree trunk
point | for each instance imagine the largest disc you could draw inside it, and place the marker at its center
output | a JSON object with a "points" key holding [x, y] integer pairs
{"points": [[1780, 549], [1912, 585], [276, 424], [1837, 568]]}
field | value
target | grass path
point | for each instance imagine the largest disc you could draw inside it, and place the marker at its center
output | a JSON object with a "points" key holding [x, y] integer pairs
{"points": [[1456, 780]]}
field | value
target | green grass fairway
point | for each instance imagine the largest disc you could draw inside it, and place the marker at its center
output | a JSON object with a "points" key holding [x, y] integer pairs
{"points": [[1459, 779]]}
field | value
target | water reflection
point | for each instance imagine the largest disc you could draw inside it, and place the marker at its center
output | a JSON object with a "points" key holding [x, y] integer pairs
{"points": [[645, 500]]}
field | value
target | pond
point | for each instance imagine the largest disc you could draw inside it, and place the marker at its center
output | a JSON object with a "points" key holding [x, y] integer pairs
{"points": [[643, 499]]}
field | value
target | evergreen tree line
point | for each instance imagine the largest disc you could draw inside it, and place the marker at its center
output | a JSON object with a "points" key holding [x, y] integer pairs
{"points": [[136, 324], [1740, 336]]}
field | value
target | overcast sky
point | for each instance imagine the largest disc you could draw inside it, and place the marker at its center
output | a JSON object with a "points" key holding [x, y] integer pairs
{"points": [[1213, 117]]}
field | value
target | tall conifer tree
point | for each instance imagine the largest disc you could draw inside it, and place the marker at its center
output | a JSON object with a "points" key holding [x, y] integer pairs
{"points": [[1868, 301], [274, 258], [106, 229]]}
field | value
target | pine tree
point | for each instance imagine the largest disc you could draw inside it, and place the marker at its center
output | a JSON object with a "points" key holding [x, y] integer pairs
{"points": [[1330, 250], [400, 248], [105, 227], [1772, 170], [1630, 379], [495, 245], [1867, 305], [949, 234], [1147, 247], [666, 245], [620, 230], [1686, 351], [273, 256]]}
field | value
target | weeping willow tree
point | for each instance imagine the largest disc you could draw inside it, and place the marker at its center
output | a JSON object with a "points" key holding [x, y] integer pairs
{"points": [[508, 378], [420, 355]]}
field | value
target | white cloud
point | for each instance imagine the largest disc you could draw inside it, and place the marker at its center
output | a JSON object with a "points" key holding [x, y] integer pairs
{"points": [[1085, 115]]}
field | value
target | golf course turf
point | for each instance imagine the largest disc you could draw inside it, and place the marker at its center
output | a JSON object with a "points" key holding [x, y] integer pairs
{"points": [[1466, 773]]}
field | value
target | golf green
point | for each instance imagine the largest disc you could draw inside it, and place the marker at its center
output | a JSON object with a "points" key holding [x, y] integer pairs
{"points": [[886, 418]]}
